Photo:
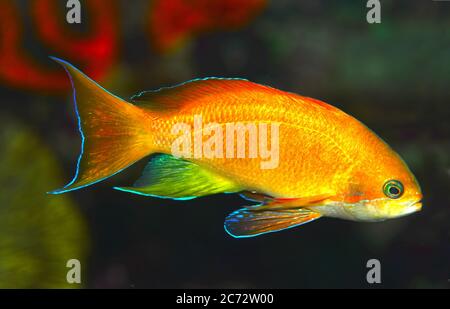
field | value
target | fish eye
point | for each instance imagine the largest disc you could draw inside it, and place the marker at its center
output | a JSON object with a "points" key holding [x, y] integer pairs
{"points": [[393, 189]]}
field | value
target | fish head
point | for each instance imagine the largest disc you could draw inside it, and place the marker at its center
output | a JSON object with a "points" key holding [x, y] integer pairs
{"points": [[382, 190]]}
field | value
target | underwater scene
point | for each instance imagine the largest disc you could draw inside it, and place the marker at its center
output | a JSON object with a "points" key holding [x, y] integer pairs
{"points": [[190, 144]]}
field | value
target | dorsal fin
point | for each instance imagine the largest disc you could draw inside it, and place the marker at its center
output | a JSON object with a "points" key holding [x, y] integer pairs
{"points": [[172, 98]]}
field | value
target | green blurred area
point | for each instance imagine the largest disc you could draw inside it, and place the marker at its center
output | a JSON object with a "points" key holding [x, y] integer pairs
{"points": [[38, 233]]}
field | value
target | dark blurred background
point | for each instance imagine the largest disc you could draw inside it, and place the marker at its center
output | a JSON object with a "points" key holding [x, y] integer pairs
{"points": [[393, 76]]}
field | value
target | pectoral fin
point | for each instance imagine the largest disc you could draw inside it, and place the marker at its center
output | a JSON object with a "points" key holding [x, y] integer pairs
{"points": [[254, 196], [253, 221], [269, 202]]}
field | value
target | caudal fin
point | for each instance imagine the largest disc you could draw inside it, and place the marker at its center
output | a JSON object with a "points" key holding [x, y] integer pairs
{"points": [[114, 133]]}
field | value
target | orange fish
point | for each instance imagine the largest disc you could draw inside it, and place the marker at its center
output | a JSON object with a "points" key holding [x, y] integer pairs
{"points": [[298, 157]]}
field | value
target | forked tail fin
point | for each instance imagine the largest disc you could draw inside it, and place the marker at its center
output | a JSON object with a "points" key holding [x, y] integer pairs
{"points": [[114, 133]]}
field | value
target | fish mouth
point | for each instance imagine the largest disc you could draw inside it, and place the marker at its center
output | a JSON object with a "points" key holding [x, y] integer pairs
{"points": [[417, 205], [412, 208]]}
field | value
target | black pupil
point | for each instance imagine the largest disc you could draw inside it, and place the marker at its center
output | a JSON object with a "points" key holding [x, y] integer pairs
{"points": [[394, 190]]}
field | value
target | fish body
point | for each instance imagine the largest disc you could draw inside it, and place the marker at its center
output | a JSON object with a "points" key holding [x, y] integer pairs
{"points": [[313, 159]]}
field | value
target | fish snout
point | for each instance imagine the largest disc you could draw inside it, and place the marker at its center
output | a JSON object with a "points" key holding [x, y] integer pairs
{"points": [[414, 207], [396, 209], [417, 205], [411, 208]]}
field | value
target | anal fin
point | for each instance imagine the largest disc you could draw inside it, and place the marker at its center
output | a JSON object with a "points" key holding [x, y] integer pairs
{"points": [[168, 177]]}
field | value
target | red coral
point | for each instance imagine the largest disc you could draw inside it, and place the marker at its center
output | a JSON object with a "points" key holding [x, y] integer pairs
{"points": [[174, 21], [97, 51]]}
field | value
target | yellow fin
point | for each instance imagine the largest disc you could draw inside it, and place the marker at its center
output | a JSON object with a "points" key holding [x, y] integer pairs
{"points": [[169, 177]]}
